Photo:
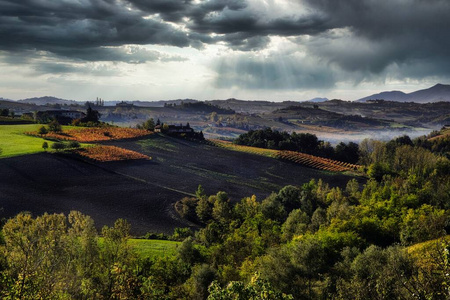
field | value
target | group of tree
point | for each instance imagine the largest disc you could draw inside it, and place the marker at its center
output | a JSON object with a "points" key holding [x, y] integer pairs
{"points": [[302, 142], [186, 130], [148, 125], [380, 238], [4, 112], [199, 107]]}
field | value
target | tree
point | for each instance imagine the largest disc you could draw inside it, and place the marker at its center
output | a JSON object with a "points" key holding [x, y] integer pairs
{"points": [[201, 278], [200, 193], [347, 152], [204, 209], [35, 253], [45, 146], [54, 126], [42, 130], [149, 124], [4, 112], [257, 288], [118, 262], [296, 224], [91, 115]]}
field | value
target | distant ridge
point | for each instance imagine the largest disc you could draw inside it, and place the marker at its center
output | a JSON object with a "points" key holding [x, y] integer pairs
{"points": [[318, 99], [437, 93], [48, 100]]}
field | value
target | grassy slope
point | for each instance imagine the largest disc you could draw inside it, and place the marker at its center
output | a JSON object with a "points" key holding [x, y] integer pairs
{"points": [[151, 248], [14, 142], [154, 248]]}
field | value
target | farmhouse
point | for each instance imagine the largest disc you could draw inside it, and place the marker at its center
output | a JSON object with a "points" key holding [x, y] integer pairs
{"points": [[173, 129], [125, 104]]}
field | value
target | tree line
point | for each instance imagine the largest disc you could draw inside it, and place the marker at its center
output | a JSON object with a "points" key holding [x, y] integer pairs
{"points": [[302, 142]]}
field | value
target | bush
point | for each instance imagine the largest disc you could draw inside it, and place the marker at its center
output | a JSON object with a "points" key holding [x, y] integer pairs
{"points": [[76, 122], [54, 126], [73, 144], [42, 130], [58, 146]]}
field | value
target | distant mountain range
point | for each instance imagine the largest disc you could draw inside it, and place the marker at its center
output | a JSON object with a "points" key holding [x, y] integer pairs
{"points": [[48, 100], [439, 92], [317, 100]]}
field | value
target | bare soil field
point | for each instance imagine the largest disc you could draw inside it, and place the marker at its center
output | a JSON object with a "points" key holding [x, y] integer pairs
{"points": [[183, 165], [143, 191], [52, 183]]}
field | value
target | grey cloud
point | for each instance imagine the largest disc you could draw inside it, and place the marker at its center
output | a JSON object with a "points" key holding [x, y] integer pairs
{"points": [[272, 73], [377, 34], [70, 68], [383, 33], [176, 10], [62, 26], [128, 54]]}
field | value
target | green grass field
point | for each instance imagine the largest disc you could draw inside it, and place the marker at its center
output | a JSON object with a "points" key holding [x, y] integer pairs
{"points": [[154, 248], [151, 248], [14, 142]]}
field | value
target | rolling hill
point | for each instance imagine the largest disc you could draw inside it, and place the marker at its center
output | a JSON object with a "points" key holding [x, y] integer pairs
{"points": [[143, 192], [48, 100], [437, 93]]}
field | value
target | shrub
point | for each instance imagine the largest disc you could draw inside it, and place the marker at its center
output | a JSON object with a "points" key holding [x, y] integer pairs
{"points": [[73, 144], [58, 146], [42, 130], [54, 126]]}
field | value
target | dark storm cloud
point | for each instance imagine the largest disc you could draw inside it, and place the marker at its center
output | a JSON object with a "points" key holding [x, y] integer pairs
{"points": [[360, 36], [176, 10], [69, 28], [382, 33]]}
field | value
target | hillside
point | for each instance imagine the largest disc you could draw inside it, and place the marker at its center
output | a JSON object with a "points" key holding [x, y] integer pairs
{"points": [[143, 191], [48, 100], [437, 93]]}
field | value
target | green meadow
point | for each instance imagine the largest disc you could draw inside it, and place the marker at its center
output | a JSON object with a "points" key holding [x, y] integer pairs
{"points": [[14, 142], [154, 248]]}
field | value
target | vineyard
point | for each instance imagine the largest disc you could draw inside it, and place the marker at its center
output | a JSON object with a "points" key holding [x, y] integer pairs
{"points": [[246, 149], [303, 159], [109, 153], [95, 134]]}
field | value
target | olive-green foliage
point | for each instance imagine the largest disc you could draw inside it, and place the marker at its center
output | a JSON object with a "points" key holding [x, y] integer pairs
{"points": [[197, 285], [54, 126], [377, 274], [42, 130], [73, 144], [52, 256], [311, 241], [58, 146], [295, 224], [257, 288]]}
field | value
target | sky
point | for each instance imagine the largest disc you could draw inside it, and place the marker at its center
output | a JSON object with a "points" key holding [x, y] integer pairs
{"points": [[216, 49]]}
